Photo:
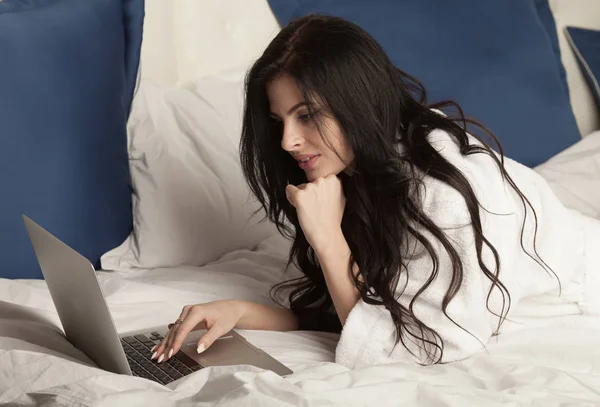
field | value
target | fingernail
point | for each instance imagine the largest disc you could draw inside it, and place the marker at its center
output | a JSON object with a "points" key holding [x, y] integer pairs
{"points": [[153, 356], [161, 358], [201, 348], [170, 353], [153, 348]]}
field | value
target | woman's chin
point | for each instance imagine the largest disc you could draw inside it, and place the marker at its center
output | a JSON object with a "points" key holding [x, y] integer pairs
{"points": [[313, 175]]}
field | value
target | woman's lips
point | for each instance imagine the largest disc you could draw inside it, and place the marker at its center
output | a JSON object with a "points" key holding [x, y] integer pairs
{"points": [[306, 165]]}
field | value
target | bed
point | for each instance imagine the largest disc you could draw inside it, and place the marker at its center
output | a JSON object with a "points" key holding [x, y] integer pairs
{"points": [[188, 92]]}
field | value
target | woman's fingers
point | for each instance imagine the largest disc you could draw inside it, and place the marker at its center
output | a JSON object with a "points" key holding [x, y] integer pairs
{"points": [[182, 331], [163, 350], [218, 317], [184, 312], [290, 193], [158, 352], [214, 333]]}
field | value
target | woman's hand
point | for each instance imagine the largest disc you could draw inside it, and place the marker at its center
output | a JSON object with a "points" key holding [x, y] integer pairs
{"points": [[218, 317], [320, 207]]}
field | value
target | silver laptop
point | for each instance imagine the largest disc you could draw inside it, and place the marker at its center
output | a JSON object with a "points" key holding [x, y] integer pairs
{"points": [[88, 325]]}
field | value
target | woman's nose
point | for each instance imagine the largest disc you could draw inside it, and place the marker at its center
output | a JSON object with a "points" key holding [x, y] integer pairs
{"points": [[291, 140]]}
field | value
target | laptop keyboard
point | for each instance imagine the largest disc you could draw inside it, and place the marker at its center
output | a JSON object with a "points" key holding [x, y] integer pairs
{"points": [[137, 349]]}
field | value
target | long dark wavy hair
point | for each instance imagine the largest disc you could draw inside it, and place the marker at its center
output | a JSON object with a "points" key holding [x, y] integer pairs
{"points": [[378, 107]]}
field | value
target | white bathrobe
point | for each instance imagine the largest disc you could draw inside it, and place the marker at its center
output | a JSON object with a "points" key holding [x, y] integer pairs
{"points": [[566, 240]]}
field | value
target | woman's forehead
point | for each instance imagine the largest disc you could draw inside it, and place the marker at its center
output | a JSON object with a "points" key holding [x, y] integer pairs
{"points": [[283, 86], [283, 93]]}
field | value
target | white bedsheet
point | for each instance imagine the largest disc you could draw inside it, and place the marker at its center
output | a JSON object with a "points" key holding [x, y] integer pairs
{"points": [[549, 360], [548, 355]]}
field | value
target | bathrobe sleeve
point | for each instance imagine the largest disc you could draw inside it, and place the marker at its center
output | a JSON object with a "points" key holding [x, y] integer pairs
{"points": [[368, 336]]}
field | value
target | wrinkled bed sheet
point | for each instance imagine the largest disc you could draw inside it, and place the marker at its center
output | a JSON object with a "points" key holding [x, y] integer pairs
{"points": [[547, 356]]}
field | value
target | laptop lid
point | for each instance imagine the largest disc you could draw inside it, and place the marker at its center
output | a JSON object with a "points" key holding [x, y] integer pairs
{"points": [[79, 300]]}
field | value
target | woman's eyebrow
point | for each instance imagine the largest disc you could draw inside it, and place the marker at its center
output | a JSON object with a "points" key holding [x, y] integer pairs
{"points": [[293, 108]]}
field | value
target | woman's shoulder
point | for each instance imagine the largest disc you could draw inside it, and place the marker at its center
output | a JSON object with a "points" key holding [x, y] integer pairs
{"points": [[444, 202], [473, 164]]}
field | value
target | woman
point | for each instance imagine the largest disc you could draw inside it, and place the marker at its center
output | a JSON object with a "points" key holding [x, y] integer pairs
{"points": [[414, 237]]}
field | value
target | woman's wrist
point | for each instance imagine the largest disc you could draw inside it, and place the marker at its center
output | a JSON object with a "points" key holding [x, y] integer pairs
{"points": [[240, 309], [334, 245], [251, 315]]}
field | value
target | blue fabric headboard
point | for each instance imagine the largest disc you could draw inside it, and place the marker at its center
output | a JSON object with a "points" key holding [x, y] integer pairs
{"points": [[494, 57], [68, 72]]}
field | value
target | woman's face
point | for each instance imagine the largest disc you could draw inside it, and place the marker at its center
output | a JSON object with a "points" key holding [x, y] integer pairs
{"points": [[301, 137]]}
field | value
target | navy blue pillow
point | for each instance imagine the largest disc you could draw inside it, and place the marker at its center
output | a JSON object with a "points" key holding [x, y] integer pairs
{"points": [[493, 57], [586, 45], [67, 74]]}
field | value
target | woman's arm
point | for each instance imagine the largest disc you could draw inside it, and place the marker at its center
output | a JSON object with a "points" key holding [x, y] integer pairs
{"points": [[218, 318], [334, 258], [263, 317]]}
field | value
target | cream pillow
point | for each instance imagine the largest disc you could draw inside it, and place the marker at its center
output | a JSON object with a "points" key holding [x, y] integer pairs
{"points": [[191, 204]]}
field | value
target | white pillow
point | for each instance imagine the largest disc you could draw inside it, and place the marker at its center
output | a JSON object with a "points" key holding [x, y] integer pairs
{"points": [[574, 175], [191, 204]]}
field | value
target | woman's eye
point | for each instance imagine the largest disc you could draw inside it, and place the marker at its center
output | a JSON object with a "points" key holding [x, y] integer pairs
{"points": [[305, 118]]}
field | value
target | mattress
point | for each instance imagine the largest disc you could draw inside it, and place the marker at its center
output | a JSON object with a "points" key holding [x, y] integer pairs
{"points": [[546, 355]]}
